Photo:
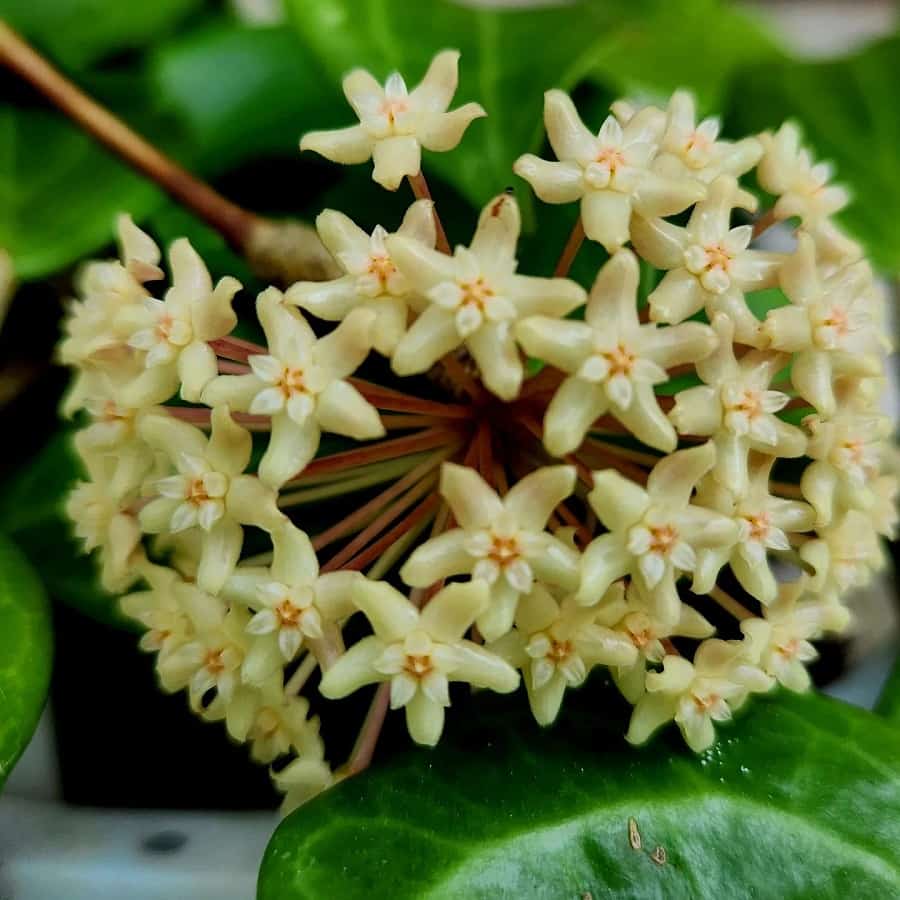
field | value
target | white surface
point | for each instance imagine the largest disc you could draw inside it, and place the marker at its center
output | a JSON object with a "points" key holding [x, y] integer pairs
{"points": [[54, 852]]}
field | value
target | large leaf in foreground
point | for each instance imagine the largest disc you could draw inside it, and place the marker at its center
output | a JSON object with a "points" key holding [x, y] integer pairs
{"points": [[26, 650], [800, 798], [845, 107]]}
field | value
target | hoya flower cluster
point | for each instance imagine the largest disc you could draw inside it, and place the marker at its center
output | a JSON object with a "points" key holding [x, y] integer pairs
{"points": [[541, 502]]}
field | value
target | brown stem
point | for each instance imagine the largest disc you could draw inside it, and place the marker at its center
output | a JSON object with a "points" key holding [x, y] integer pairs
{"points": [[570, 251], [395, 401], [729, 604], [420, 189], [235, 223], [364, 748], [236, 349]]}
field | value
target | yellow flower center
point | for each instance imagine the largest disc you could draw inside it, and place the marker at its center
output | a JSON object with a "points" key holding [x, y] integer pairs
{"points": [[704, 703], [750, 404], [621, 360], [759, 526], [382, 267], [291, 382], [611, 158], [418, 665], [717, 257], [788, 649], [838, 320], [662, 539], [476, 293], [559, 651], [213, 662], [197, 492], [504, 550], [288, 614]]}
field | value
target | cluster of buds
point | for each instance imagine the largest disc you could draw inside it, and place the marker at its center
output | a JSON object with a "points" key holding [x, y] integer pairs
{"points": [[511, 521]]}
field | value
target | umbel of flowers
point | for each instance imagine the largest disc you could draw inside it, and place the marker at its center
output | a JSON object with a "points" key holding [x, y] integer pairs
{"points": [[510, 522]]}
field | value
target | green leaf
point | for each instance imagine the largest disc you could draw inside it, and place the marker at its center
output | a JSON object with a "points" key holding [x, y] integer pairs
{"points": [[32, 511], [798, 799], [26, 652], [888, 705], [264, 95], [844, 108], [59, 192], [616, 43], [78, 33]]}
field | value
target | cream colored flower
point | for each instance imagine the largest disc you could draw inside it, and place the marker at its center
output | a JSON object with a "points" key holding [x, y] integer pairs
{"points": [[303, 778], [174, 333], [475, 298], [613, 361], [846, 454], [301, 383], [709, 264], [208, 492], [293, 605], [395, 123], [736, 408], [556, 645], [630, 614], [802, 186], [694, 150], [828, 326], [500, 541], [419, 652], [654, 533], [844, 555], [610, 172], [764, 524], [211, 660], [781, 641], [697, 694], [372, 280]]}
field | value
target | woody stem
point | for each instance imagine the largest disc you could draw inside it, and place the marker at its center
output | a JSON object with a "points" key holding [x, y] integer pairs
{"points": [[364, 748], [232, 221], [421, 192], [729, 604]]}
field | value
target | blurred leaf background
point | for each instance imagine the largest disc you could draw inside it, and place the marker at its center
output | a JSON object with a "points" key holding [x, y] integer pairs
{"points": [[229, 99]]}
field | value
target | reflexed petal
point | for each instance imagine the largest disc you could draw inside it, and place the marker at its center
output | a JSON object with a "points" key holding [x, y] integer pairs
{"points": [[605, 215], [342, 145], [498, 618], [495, 351], [343, 410], [537, 610], [391, 315], [391, 614], [196, 369], [251, 502], [647, 421], [531, 501], [479, 667], [395, 158], [424, 720], [546, 701], [563, 343], [430, 337], [570, 138], [220, 552], [552, 561], [353, 669], [660, 242], [575, 406], [443, 131], [342, 351], [293, 560], [437, 558], [330, 300], [604, 561], [437, 87], [673, 478], [552, 182], [475, 505], [235, 391], [678, 296], [545, 296], [451, 612], [618, 501], [334, 595], [651, 712], [290, 449]]}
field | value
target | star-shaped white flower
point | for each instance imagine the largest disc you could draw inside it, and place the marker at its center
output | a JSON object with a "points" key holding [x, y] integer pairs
{"points": [[419, 652], [698, 694], [500, 541], [629, 613], [301, 383], [737, 409], [610, 172], [828, 326], [654, 533], [613, 361], [709, 264], [556, 644], [208, 492], [293, 605], [174, 333], [764, 523], [372, 280], [475, 298], [395, 123]]}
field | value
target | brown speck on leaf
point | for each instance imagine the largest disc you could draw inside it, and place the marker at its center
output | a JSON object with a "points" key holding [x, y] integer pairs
{"points": [[587, 895], [659, 856], [634, 836]]}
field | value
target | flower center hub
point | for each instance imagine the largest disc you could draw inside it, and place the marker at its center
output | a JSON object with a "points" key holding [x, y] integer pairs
{"points": [[418, 665]]}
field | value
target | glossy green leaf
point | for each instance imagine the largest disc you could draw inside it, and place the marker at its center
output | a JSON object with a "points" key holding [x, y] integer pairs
{"points": [[264, 95], [800, 798], [26, 652], [888, 705], [32, 503], [511, 56], [78, 33], [846, 110], [59, 192]]}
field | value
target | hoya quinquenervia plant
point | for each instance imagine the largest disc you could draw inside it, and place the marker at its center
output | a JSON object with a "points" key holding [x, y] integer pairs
{"points": [[505, 526]]}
